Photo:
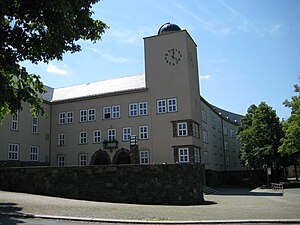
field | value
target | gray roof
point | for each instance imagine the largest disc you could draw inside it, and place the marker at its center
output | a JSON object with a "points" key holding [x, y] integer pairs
{"points": [[95, 88]]}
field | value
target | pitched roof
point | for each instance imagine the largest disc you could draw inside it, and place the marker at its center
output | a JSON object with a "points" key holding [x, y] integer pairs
{"points": [[95, 88]]}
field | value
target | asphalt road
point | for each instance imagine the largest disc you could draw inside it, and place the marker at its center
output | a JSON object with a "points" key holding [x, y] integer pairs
{"points": [[227, 204]]}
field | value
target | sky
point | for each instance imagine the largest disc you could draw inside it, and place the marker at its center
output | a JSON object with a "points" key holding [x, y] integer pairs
{"points": [[248, 50]]}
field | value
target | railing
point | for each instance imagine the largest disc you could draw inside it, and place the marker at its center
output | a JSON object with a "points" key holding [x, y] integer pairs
{"points": [[110, 144]]}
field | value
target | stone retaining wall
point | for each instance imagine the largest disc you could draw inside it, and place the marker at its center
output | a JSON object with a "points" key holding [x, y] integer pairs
{"points": [[178, 184]]}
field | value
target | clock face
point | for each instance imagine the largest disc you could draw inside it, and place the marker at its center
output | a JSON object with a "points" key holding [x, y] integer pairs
{"points": [[173, 56]]}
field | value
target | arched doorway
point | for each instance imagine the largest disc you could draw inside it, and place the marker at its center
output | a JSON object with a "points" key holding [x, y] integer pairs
{"points": [[122, 156], [100, 158]]}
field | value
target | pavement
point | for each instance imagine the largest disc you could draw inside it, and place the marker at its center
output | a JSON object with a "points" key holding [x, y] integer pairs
{"points": [[228, 205]]}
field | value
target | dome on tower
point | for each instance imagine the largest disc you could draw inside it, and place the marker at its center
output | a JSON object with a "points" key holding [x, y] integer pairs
{"points": [[168, 27]]}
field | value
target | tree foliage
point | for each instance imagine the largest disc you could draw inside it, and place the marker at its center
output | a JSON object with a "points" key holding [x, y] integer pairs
{"points": [[291, 127], [259, 135], [38, 31]]}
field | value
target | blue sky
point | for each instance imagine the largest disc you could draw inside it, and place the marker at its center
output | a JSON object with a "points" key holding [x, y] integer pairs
{"points": [[248, 50]]}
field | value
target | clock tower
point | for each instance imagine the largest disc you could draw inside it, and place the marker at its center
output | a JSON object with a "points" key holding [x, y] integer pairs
{"points": [[171, 72]]}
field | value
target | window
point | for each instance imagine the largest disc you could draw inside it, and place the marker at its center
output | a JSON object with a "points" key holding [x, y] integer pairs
{"points": [[126, 133], [204, 116], [35, 125], [61, 139], [15, 121], [206, 157], [34, 153], [65, 117], [96, 136], [13, 151], [196, 130], [116, 111], [144, 157], [133, 109], [143, 132], [61, 160], [91, 114], [232, 133], [161, 106], [182, 129], [205, 136], [226, 145], [111, 112], [70, 117], [106, 112], [83, 159], [143, 109], [87, 115], [62, 118], [196, 155], [83, 115], [172, 105], [111, 134], [183, 155], [83, 137], [225, 130]]}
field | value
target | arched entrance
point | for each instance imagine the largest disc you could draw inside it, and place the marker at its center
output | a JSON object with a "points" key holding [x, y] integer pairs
{"points": [[100, 157], [122, 156]]}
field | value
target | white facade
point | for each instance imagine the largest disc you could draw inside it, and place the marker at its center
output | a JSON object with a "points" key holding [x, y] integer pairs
{"points": [[93, 123]]}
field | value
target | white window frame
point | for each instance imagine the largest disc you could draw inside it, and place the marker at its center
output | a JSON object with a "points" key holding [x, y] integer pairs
{"points": [[161, 105], [172, 105], [61, 160], [182, 129], [111, 134], [144, 157], [70, 117], [83, 115], [35, 125], [15, 121], [91, 114], [126, 133], [34, 153], [61, 118], [115, 112], [13, 151], [133, 109], [143, 108], [96, 136], [82, 137], [196, 155], [83, 159], [106, 112], [61, 139], [143, 132], [183, 155]]}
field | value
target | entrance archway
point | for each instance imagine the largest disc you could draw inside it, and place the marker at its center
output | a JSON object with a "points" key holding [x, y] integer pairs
{"points": [[100, 157], [122, 156]]}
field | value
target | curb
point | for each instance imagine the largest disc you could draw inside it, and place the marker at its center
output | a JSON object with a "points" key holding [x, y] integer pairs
{"points": [[126, 221]]}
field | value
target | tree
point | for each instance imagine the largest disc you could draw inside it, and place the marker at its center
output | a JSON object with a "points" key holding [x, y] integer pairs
{"points": [[259, 135], [291, 141], [38, 31]]}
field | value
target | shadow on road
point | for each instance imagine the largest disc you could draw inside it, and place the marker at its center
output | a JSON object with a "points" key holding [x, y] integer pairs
{"points": [[9, 212], [247, 191]]}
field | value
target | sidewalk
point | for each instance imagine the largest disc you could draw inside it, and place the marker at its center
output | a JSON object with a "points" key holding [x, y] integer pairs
{"points": [[227, 204]]}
